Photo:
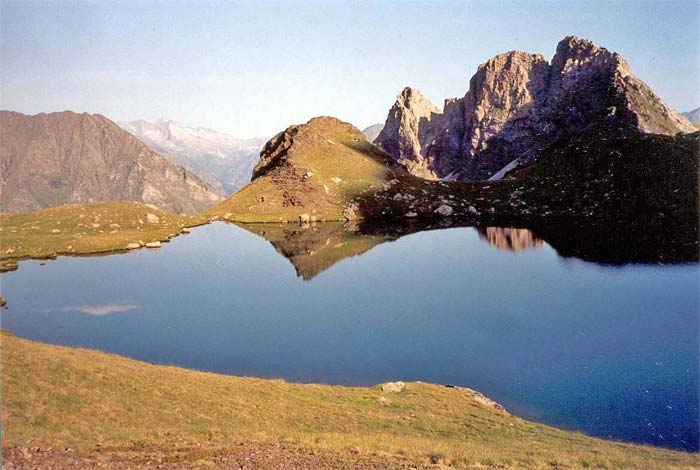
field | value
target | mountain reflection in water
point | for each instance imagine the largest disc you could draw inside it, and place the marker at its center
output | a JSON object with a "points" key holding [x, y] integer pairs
{"points": [[313, 248], [510, 239]]}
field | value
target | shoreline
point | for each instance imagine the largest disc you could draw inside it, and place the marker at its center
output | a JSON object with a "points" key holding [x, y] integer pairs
{"points": [[422, 424]]}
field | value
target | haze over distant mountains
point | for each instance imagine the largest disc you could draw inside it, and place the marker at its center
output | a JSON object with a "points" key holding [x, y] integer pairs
{"points": [[517, 104], [220, 159], [66, 158], [693, 116], [371, 132]]}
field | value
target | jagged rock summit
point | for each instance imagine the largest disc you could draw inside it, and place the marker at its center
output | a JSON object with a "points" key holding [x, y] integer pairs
{"points": [[67, 158], [516, 105], [406, 129]]}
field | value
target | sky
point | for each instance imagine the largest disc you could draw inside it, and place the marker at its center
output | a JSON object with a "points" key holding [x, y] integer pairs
{"points": [[254, 68]]}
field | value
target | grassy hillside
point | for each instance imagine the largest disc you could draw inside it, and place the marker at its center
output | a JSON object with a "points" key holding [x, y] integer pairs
{"points": [[319, 168], [86, 229], [106, 408]]}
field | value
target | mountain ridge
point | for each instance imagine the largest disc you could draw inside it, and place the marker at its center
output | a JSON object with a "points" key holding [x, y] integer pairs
{"points": [[52, 159]]}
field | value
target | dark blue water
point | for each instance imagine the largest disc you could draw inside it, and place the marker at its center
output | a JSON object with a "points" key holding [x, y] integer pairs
{"points": [[610, 351]]}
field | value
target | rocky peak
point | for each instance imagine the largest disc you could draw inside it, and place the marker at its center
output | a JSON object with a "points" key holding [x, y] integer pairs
{"points": [[503, 89], [407, 126], [573, 52], [517, 104]]}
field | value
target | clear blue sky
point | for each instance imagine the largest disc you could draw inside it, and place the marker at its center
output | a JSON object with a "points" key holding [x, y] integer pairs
{"points": [[253, 68]]}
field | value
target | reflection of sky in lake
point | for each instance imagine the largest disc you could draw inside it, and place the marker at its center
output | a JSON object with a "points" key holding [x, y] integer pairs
{"points": [[98, 310]]}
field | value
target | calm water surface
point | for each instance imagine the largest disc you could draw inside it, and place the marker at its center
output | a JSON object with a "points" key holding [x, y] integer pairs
{"points": [[610, 351]]}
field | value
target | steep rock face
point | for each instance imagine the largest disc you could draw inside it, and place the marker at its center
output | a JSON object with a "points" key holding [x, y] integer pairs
{"points": [[65, 158], [497, 120], [591, 84], [516, 104], [407, 128], [220, 159]]}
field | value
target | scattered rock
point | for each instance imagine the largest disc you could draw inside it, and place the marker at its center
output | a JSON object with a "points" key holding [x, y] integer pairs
{"points": [[308, 175], [383, 401], [152, 218], [397, 197], [133, 246], [411, 214], [336, 180], [6, 266], [444, 210], [304, 219], [185, 231], [393, 387], [472, 210], [55, 231], [349, 214], [153, 245]]}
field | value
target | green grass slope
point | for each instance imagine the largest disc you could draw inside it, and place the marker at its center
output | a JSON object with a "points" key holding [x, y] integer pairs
{"points": [[76, 398], [86, 229], [319, 168]]}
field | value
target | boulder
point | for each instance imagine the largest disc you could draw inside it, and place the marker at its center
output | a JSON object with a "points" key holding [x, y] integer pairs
{"points": [[153, 244], [152, 218], [133, 246], [393, 387], [444, 210], [349, 214]]}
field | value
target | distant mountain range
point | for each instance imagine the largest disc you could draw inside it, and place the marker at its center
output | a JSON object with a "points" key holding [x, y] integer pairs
{"points": [[220, 159], [373, 131], [516, 105], [693, 116], [65, 158]]}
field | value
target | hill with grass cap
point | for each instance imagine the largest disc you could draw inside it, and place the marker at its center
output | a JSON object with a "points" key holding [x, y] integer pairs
{"points": [[314, 171]]}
